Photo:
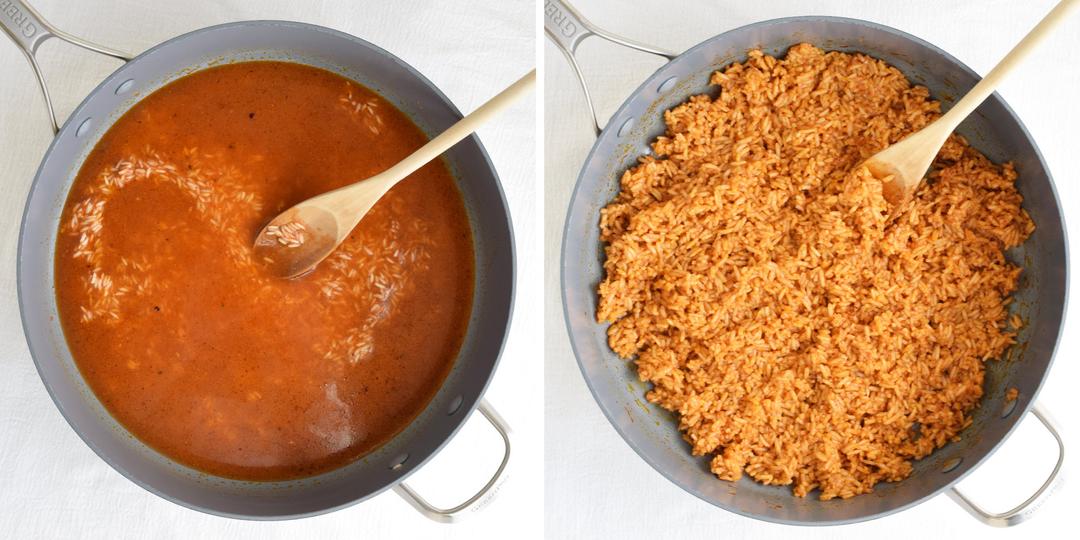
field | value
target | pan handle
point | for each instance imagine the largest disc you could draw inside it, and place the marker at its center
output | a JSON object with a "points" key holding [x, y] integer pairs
{"points": [[483, 497], [566, 28], [1024, 511], [28, 29]]}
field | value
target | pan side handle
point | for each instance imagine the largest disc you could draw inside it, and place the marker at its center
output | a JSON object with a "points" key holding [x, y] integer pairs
{"points": [[567, 28], [1025, 509], [482, 497], [28, 29]]}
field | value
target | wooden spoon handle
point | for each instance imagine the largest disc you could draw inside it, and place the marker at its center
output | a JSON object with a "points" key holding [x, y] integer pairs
{"points": [[986, 86], [463, 128]]}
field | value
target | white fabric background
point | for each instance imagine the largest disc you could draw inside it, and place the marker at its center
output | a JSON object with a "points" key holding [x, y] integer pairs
{"points": [[53, 486], [596, 486]]}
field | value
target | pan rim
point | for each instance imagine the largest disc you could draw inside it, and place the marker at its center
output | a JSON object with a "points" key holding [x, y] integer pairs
{"points": [[610, 413]]}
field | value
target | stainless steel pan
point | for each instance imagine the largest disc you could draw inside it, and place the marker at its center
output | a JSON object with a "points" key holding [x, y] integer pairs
{"points": [[351, 57], [994, 129]]}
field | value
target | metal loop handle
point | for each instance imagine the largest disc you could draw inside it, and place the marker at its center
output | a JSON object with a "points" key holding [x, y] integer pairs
{"points": [[28, 29], [482, 497], [1025, 509], [567, 28]]}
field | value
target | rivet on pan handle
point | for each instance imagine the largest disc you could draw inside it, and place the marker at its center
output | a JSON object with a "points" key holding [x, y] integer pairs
{"points": [[482, 497], [565, 27], [28, 29], [1024, 511]]}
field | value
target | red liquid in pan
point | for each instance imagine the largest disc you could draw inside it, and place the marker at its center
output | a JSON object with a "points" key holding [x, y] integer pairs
{"points": [[187, 339]]}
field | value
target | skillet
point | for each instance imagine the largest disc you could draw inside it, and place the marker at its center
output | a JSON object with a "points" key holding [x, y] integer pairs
{"points": [[651, 431], [355, 59]]}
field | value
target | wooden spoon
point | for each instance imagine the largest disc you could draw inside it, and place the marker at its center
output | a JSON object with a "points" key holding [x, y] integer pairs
{"points": [[302, 236], [901, 166]]}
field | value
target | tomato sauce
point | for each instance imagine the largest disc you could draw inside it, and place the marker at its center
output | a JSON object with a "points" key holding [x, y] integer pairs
{"points": [[190, 343]]}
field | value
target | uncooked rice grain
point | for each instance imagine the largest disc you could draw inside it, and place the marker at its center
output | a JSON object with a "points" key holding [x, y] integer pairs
{"points": [[754, 273]]}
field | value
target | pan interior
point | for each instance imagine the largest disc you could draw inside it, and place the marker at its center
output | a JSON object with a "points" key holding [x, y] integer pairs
{"points": [[652, 431], [407, 90]]}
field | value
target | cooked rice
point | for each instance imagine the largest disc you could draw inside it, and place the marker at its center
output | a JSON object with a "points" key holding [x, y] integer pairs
{"points": [[753, 271]]}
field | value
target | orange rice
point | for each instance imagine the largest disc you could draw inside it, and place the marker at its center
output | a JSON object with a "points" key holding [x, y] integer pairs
{"points": [[753, 271]]}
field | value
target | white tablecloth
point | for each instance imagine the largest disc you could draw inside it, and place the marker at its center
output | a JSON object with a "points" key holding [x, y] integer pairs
{"points": [[596, 486], [51, 484]]}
